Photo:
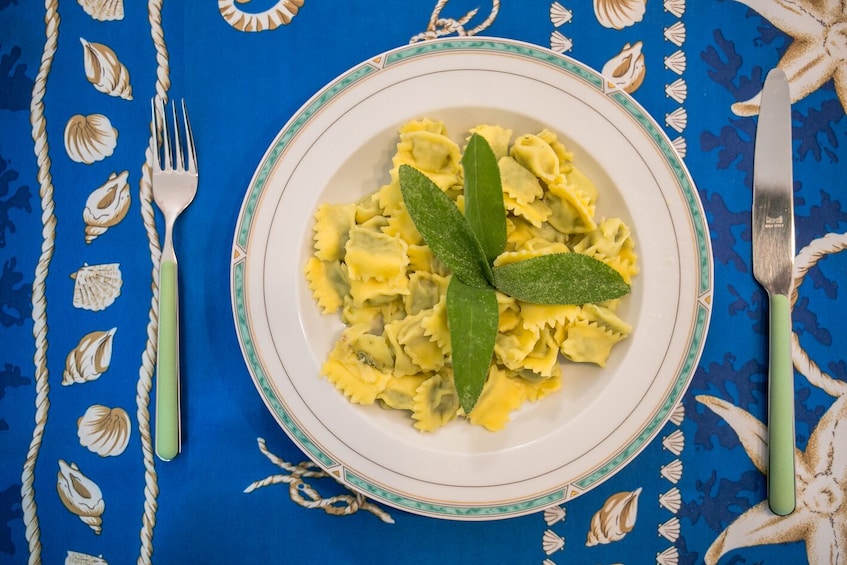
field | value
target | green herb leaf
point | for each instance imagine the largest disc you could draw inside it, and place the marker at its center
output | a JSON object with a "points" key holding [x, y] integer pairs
{"points": [[473, 319], [484, 208], [444, 228], [560, 278]]}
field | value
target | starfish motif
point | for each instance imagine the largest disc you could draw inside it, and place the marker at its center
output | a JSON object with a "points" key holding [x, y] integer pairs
{"points": [[819, 49], [820, 518]]}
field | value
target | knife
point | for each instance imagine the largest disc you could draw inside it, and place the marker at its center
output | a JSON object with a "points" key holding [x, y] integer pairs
{"points": [[773, 265]]}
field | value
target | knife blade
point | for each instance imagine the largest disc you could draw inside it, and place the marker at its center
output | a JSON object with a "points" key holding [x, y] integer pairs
{"points": [[773, 265]]}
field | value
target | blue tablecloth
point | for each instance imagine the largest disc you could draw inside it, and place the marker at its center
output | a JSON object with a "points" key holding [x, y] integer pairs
{"points": [[241, 491]]}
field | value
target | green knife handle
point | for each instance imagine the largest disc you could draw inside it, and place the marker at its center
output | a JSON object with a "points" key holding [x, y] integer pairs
{"points": [[781, 472], [167, 369]]}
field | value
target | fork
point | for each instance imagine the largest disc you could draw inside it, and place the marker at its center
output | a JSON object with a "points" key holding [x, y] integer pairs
{"points": [[174, 186]]}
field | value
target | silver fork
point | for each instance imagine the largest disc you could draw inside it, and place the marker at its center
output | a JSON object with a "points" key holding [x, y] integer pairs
{"points": [[174, 187]]}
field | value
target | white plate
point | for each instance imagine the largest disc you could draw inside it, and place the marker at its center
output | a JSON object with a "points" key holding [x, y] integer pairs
{"points": [[338, 148]]}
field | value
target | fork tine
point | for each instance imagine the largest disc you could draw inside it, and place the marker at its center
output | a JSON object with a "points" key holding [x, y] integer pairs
{"points": [[179, 160], [154, 134], [166, 136], [191, 157]]}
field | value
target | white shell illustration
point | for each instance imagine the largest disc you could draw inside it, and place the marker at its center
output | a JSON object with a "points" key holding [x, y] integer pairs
{"points": [[674, 442], [671, 500], [670, 530], [672, 471], [618, 14], [103, 10], [105, 71], [681, 147], [103, 430], [559, 43], [97, 286], [676, 62], [90, 358], [670, 556], [77, 558], [89, 139], [678, 414], [551, 542], [678, 119], [615, 519], [675, 7], [548, 562], [554, 514], [106, 206], [677, 90], [626, 70], [559, 15], [676, 33], [81, 495], [277, 15]]}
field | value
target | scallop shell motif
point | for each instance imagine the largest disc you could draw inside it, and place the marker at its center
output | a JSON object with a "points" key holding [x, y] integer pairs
{"points": [[77, 558], [674, 442], [681, 147], [551, 542], [615, 519], [103, 430], [106, 206], [559, 43], [671, 500], [678, 414], [103, 10], [90, 358], [89, 139], [277, 15], [678, 119], [670, 556], [675, 7], [97, 286], [559, 15], [554, 514], [676, 33], [626, 70], [676, 62], [670, 530], [672, 471], [105, 71], [618, 14], [677, 90], [81, 495]]}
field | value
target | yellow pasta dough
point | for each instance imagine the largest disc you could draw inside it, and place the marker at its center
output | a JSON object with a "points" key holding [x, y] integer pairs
{"points": [[370, 264]]}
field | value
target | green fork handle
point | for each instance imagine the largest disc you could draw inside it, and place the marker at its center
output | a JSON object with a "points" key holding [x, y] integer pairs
{"points": [[781, 472], [167, 370]]}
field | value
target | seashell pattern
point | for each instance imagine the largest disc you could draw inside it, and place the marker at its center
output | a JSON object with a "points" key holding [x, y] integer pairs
{"points": [[106, 206], [674, 442], [671, 500], [105, 71], [676, 62], [80, 495], [559, 15], [670, 530], [103, 430], [103, 10], [277, 15], [89, 139], [90, 358], [626, 70], [97, 286], [552, 542], [681, 147], [677, 90], [676, 34], [615, 519], [554, 514], [672, 471], [77, 558], [675, 7], [678, 414], [618, 14], [559, 43], [670, 556], [678, 119]]}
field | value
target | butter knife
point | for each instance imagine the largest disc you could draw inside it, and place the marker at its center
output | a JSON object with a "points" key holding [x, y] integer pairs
{"points": [[773, 265]]}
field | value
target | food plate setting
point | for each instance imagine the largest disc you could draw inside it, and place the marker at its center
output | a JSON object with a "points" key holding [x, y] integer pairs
{"points": [[337, 148]]}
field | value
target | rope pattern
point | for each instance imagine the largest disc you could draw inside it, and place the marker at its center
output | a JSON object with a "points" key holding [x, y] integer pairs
{"points": [[39, 299], [439, 27], [148, 356], [306, 496], [805, 260]]}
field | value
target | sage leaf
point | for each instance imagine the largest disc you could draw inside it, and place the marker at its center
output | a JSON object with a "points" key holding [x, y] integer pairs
{"points": [[484, 208], [473, 319], [560, 278], [444, 228]]}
